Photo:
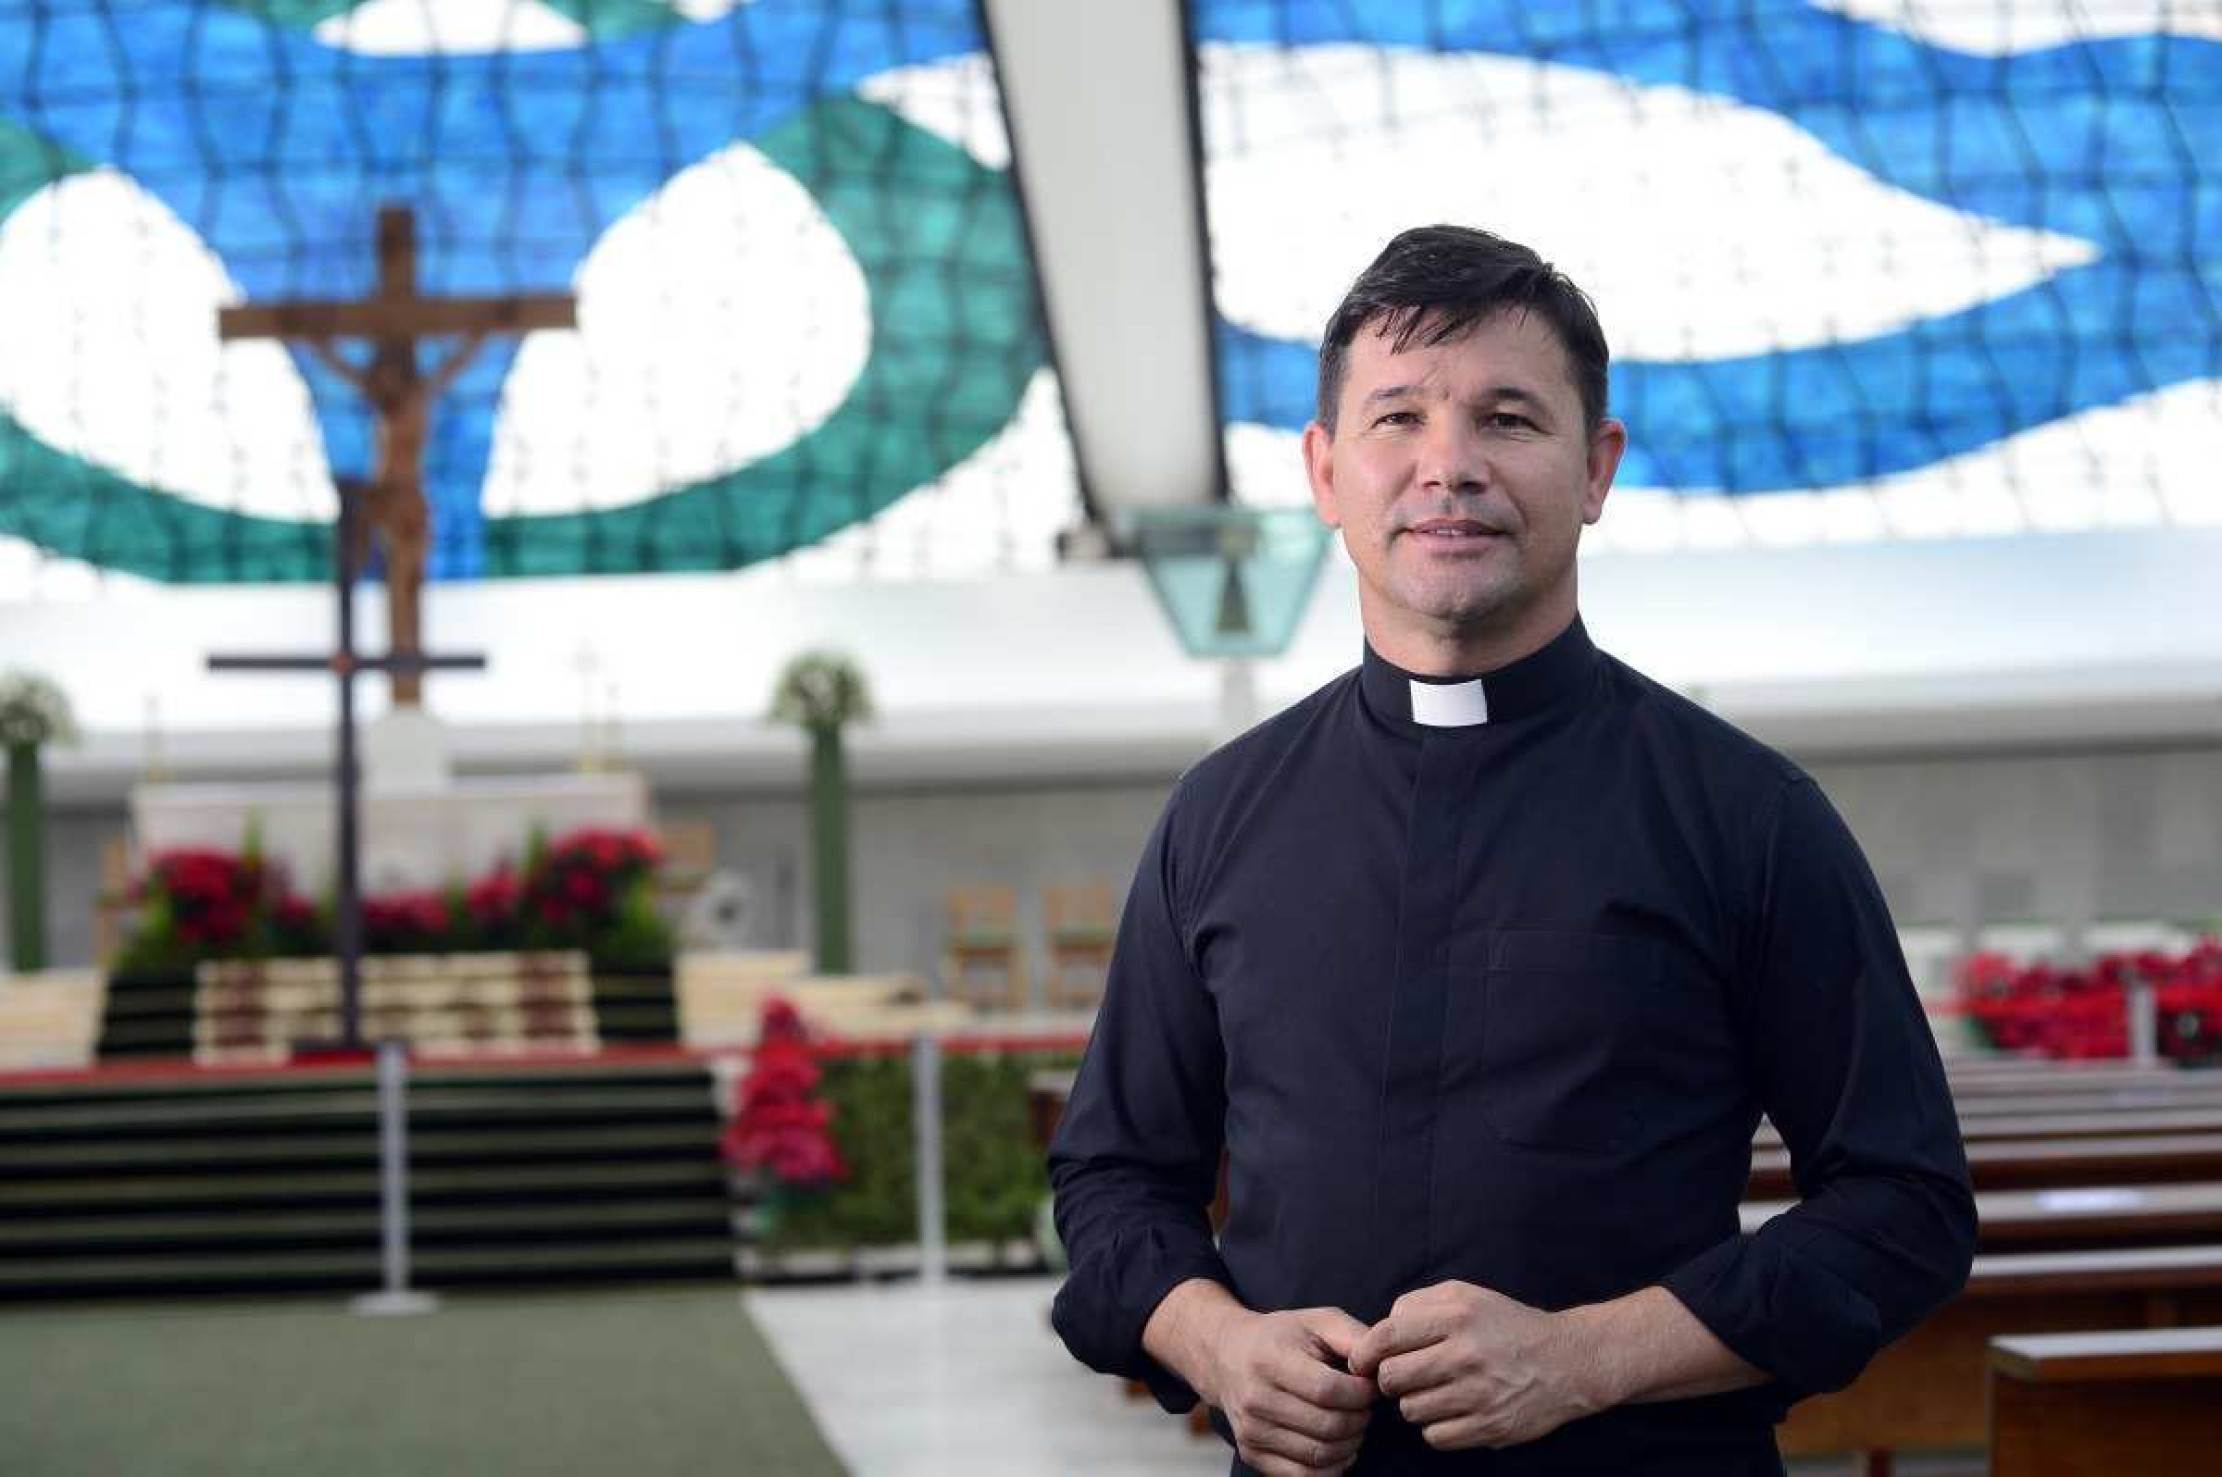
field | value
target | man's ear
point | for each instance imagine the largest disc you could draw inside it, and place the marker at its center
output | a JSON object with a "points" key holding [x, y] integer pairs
{"points": [[1607, 444], [1319, 471]]}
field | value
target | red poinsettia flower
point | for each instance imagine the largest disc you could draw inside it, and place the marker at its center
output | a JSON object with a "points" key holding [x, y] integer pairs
{"points": [[493, 899], [780, 1126], [585, 890], [2080, 1014]]}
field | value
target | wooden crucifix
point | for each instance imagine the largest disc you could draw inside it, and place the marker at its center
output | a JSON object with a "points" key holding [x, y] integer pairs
{"points": [[400, 392]]}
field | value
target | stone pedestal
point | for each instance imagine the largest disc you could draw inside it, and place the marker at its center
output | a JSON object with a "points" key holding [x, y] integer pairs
{"points": [[405, 749]]}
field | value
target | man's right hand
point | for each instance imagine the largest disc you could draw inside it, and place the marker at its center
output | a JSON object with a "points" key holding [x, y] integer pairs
{"points": [[1279, 1377]]}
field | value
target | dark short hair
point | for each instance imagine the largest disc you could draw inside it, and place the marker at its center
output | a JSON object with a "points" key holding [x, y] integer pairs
{"points": [[1433, 284]]}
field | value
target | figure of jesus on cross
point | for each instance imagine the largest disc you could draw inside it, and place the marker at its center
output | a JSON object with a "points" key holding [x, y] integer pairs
{"points": [[400, 393]]}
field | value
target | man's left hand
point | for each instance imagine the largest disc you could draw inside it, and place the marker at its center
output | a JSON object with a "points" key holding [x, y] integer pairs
{"points": [[1472, 1367]]}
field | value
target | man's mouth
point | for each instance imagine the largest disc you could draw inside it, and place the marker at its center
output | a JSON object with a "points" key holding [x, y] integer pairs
{"points": [[1449, 530]]}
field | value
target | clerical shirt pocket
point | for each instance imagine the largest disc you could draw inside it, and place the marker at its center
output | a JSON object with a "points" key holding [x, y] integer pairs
{"points": [[1562, 1023]]}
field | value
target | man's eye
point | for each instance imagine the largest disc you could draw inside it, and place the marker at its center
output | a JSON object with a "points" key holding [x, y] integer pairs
{"points": [[1397, 418], [1507, 420]]}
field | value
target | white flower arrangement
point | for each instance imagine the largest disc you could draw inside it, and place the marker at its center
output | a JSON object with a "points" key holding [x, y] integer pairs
{"points": [[34, 710], [821, 689]]}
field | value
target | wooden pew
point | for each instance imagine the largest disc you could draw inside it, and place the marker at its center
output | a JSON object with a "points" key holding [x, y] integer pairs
{"points": [[2060, 1168], [2068, 1217], [2068, 1077], [1927, 1390], [2020, 1164], [2200, 1093], [2098, 1404], [2058, 1162], [2077, 1124], [2093, 1124]]}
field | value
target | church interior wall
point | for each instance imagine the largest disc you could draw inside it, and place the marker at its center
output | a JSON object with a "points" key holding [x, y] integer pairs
{"points": [[2067, 837]]}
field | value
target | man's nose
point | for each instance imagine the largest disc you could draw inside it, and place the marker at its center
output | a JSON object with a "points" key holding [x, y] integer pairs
{"points": [[1454, 457]]}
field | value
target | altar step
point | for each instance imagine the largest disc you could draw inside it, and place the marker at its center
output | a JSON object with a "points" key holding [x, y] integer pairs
{"points": [[432, 1105], [205, 1187], [635, 1009], [226, 1183], [155, 1016], [226, 1155], [147, 1016]]}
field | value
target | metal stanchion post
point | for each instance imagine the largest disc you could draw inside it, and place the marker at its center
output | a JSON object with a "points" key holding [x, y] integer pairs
{"points": [[925, 1079], [393, 1188], [2144, 1024]]}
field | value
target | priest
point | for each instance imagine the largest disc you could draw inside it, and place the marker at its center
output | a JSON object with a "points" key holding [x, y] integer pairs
{"points": [[1480, 965]]}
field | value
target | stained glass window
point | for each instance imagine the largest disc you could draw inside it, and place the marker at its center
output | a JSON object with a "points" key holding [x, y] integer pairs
{"points": [[807, 315]]}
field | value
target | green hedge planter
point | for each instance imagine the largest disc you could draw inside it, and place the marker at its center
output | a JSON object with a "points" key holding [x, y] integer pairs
{"points": [[995, 1177]]}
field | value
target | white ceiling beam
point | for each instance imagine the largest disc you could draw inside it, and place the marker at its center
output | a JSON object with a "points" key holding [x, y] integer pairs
{"points": [[1098, 100]]}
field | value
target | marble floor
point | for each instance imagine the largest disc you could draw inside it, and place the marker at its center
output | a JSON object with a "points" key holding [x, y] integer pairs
{"points": [[910, 1380]]}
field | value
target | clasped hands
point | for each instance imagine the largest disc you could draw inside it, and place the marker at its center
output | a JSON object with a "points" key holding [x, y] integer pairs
{"points": [[1468, 1366]]}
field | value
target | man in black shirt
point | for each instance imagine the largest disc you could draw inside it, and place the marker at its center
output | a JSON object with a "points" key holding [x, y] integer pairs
{"points": [[1481, 965]]}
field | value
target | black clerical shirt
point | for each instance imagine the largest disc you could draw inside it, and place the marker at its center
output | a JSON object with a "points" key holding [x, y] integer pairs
{"points": [[1502, 1001]]}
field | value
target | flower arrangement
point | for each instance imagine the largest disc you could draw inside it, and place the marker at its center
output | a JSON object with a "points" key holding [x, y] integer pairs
{"points": [[592, 890], [821, 689], [781, 1130], [34, 710], [2083, 1014], [418, 922], [200, 904], [488, 910]]}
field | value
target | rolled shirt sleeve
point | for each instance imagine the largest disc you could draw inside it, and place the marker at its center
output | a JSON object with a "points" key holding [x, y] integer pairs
{"points": [[1847, 1069], [1135, 1159]]}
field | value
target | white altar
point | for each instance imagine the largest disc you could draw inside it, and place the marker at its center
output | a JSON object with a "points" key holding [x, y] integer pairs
{"points": [[419, 826]]}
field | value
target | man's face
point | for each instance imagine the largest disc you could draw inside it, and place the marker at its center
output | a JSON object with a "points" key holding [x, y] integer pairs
{"points": [[1460, 475]]}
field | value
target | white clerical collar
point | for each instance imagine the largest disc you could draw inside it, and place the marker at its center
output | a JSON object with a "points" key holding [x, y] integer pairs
{"points": [[1562, 670], [1449, 704]]}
